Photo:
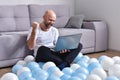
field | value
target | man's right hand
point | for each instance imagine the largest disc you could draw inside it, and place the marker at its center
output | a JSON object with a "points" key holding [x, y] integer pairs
{"points": [[35, 25]]}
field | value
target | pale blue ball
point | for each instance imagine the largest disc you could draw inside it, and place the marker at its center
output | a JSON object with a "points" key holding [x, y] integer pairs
{"points": [[16, 67]]}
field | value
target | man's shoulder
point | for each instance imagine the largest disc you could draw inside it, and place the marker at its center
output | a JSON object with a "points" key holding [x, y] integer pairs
{"points": [[54, 28]]}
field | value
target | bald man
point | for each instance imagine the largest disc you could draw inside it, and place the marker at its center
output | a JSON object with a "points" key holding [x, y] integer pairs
{"points": [[42, 38]]}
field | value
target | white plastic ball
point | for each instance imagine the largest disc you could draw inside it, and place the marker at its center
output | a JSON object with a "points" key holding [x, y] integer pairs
{"points": [[93, 77], [58, 73], [29, 58], [74, 66], [91, 60], [23, 69], [9, 76], [21, 62], [106, 63], [115, 58], [100, 72], [47, 65], [114, 70]]}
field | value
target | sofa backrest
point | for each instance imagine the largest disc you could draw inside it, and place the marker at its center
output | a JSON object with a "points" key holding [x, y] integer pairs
{"points": [[14, 18], [62, 12]]}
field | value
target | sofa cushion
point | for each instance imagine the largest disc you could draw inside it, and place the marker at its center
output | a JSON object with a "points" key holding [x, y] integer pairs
{"points": [[14, 18], [75, 21], [62, 12]]}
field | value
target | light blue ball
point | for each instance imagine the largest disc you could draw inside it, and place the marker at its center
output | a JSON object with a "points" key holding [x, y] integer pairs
{"points": [[40, 74], [41, 64], [53, 77], [16, 67], [52, 69], [82, 70], [80, 75], [78, 57], [32, 65], [74, 78], [101, 58], [24, 75], [93, 65], [112, 78], [82, 64], [65, 77], [67, 70]]}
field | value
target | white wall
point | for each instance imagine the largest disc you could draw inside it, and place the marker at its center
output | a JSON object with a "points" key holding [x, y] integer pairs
{"points": [[108, 10], [70, 3]]}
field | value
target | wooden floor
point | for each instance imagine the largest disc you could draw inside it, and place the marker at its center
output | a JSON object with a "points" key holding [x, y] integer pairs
{"points": [[91, 55]]}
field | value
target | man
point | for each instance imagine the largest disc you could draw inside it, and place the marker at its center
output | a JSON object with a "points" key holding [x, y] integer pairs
{"points": [[43, 37]]}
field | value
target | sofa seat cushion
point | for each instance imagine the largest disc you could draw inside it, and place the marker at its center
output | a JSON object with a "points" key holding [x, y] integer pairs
{"points": [[87, 39]]}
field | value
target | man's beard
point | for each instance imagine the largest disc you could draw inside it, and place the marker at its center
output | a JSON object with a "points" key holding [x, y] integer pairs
{"points": [[47, 25]]}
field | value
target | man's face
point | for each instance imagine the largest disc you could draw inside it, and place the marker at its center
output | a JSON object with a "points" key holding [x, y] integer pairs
{"points": [[49, 21]]}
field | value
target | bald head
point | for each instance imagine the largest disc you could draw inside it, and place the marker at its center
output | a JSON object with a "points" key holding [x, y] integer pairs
{"points": [[50, 13]]}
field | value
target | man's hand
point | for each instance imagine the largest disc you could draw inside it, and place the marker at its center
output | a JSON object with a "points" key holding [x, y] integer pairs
{"points": [[35, 25], [64, 51]]}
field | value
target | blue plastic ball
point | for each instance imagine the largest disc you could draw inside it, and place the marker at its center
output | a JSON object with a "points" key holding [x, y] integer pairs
{"points": [[32, 65], [24, 75], [112, 78], [67, 71], [93, 65], [65, 77], [16, 67]]}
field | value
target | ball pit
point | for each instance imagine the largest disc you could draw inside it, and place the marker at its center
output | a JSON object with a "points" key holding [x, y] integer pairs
{"points": [[83, 68]]}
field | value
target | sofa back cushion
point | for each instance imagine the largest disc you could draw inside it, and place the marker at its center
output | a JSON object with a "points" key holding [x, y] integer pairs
{"points": [[62, 12], [14, 18]]}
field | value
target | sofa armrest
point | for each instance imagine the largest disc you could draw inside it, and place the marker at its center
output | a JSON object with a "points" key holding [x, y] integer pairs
{"points": [[101, 33]]}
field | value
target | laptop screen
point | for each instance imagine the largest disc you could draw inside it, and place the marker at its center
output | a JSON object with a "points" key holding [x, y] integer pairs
{"points": [[68, 42]]}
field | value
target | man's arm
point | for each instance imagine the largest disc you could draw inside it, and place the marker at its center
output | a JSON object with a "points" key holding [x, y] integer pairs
{"points": [[31, 42]]}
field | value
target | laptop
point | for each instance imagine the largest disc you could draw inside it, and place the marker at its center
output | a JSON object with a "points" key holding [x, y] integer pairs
{"points": [[68, 42]]}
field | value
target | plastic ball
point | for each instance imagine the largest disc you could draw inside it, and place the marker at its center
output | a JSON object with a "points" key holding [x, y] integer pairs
{"points": [[67, 71], [78, 57], [74, 66], [82, 70], [111, 78], [82, 64], [93, 65], [52, 69], [65, 77], [41, 64], [23, 69], [92, 60], [82, 76], [47, 65], [33, 65], [115, 58], [21, 62], [106, 63], [25, 75], [16, 67], [93, 77], [39, 74], [101, 57], [100, 72], [53, 77], [9, 76], [29, 58], [114, 70], [58, 73], [74, 78]]}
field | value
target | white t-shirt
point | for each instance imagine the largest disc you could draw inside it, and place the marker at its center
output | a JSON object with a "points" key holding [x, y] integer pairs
{"points": [[45, 38]]}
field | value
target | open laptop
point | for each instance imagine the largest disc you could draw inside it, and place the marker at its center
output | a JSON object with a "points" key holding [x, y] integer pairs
{"points": [[68, 42]]}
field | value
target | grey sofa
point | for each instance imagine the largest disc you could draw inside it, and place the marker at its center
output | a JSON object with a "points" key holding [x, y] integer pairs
{"points": [[15, 21]]}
